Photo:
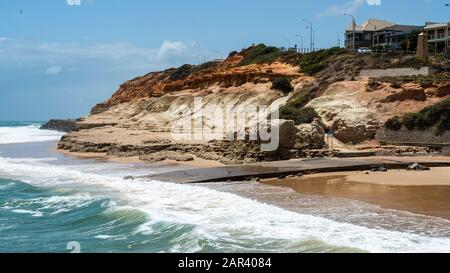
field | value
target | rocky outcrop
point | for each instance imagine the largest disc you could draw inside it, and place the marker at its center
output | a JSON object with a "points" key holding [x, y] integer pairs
{"points": [[287, 133], [408, 92], [443, 91], [350, 121], [310, 136], [60, 125], [354, 130]]}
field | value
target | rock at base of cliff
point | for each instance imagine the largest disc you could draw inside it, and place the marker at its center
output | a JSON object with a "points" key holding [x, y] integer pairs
{"points": [[60, 125], [353, 132], [310, 136], [350, 121]]}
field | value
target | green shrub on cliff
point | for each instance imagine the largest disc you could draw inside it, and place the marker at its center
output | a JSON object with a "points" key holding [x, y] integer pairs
{"points": [[181, 73], [437, 116], [409, 120], [312, 63], [299, 116], [394, 124], [206, 66], [303, 97], [313, 68], [260, 54], [282, 84], [443, 125]]}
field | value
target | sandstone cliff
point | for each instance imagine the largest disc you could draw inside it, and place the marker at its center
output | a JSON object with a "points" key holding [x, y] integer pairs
{"points": [[139, 119]]}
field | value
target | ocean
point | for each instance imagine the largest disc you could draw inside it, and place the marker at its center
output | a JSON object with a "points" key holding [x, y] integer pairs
{"points": [[50, 202]]}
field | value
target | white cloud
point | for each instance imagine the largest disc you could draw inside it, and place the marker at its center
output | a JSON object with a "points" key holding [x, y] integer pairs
{"points": [[347, 7], [105, 56], [176, 52], [374, 2], [92, 71], [54, 70], [73, 2]]}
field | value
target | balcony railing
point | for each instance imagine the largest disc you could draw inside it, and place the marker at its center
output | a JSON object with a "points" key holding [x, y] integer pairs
{"points": [[437, 37]]}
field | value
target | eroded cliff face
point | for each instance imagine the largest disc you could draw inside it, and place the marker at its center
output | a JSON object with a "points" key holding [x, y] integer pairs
{"points": [[144, 126], [141, 117], [356, 110], [219, 77]]}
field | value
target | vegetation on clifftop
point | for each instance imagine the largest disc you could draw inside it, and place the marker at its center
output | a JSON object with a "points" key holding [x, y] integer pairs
{"points": [[181, 73], [186, 70], [314, 62], [260, 54], [437, 116]]}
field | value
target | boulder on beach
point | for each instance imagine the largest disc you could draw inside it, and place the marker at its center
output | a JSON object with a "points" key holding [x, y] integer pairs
{"points": [[60, 125], [310, 136]]}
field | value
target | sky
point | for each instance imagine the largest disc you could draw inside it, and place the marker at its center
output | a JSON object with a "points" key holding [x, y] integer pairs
{"points": [[58, 58]]}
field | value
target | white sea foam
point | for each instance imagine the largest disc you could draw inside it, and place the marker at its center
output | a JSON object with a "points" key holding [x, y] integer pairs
{"points": [[53, 205], [26, 134], [225, 219], [32, 212]]}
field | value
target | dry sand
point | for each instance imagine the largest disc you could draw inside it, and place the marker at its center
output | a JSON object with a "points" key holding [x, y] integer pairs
{"points": [[197, 162], [426, 193]]}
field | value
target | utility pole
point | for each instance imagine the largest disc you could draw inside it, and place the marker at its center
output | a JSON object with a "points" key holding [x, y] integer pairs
{"points": [[301, 40], [311, 46], [313, 38], [353, 30]]}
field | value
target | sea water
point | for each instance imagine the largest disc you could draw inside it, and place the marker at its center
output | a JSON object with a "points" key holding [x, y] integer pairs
{"points": [[48, 201]]}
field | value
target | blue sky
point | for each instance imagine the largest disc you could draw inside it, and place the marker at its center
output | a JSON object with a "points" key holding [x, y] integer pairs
{"points": [[58, 58]]}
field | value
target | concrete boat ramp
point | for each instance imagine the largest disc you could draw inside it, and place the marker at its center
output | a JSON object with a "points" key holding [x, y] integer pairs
{"points": [[292, 167]]}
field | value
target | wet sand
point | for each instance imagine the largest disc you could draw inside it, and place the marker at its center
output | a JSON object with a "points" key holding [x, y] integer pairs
{"points": [[426, 193]]}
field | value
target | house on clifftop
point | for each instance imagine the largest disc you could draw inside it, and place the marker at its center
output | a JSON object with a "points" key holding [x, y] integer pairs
{"points": [[364, 34], [438, 35], [392, 37]]}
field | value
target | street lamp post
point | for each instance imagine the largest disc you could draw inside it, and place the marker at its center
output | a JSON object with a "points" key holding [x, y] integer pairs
{"points": [[353, 30], [301, 40], [313, 38], [311, 46]]}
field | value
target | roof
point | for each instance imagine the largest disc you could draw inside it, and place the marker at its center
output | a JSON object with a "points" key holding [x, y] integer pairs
{"points": [[438, 25], [402, 28], [372, 25]]}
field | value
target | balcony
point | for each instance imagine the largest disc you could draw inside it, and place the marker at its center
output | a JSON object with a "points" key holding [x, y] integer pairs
{"points": [[438, 37]]}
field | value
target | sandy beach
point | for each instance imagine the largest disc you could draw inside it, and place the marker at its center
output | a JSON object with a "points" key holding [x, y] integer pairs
{"points": [[426, 193], [197, 162]]}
